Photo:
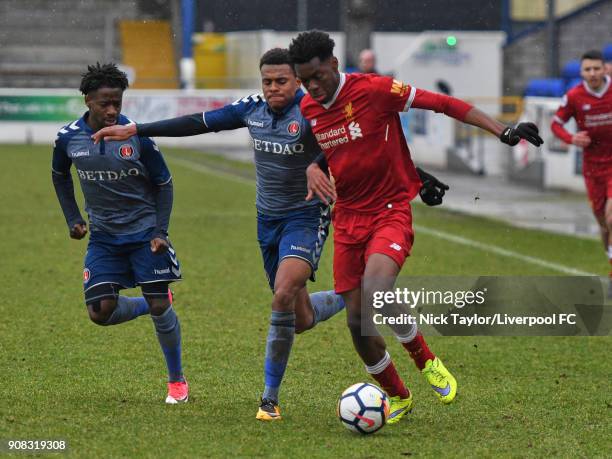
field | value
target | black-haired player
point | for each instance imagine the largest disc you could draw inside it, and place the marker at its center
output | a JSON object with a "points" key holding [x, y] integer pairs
{"points": [[355, 119], [128, 198]]}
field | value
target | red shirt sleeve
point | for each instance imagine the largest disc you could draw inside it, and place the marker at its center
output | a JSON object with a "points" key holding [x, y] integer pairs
{"points": [[394, 96], [441, 103], [564, 113], [389, 95]]}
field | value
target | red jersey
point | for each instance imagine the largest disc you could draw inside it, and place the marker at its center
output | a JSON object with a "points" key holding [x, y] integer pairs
{"points": [[360, 133], [593, 113]]}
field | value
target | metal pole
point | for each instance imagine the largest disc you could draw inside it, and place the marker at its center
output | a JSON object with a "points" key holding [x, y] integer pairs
{"points": [[302, 15], [187, 62], [553, 46], [357, 22], [506, 21], [188, 9]]}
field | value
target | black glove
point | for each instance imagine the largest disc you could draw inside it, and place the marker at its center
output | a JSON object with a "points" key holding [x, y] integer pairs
{"points": [[527, 131], [432, 190]]}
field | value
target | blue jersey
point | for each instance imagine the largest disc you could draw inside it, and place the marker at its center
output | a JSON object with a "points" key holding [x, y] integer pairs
{"points": [[284, 147], [118, 179]]}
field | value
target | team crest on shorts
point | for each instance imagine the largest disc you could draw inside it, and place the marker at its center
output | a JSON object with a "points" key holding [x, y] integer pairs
{"points": [[293, 128], [86, 275], [126, 151]]}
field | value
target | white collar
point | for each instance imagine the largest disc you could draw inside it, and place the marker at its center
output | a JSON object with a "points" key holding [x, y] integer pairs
{"points": [[599, 94], [340, 85]]}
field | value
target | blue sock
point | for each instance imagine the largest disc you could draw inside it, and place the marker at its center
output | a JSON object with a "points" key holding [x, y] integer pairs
{"points": [[325, 305], [168, 331], [128, 308], [278, 348]]}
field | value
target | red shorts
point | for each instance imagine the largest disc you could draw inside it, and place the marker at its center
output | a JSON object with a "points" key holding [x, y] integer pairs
{"points": [[599, 188], [357, 236]]}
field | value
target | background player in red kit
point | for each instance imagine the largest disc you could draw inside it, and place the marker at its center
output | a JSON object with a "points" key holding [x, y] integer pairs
{"points": [[590, 104], [355, 120]]}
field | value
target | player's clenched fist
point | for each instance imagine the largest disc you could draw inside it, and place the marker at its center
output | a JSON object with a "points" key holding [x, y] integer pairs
{"points": [[78, 231], [432, 190], [159, 245], [581, 139], [116, 132], [527, 131]]}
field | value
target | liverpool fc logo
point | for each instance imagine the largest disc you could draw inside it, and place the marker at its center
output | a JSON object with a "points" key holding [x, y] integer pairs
{"points": [[348, 111]]}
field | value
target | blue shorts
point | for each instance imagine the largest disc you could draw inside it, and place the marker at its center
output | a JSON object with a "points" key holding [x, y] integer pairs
{"points": [[127, 260], [299, 234]]}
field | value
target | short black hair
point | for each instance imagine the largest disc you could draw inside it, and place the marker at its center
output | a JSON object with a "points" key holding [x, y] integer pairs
{"points": [[276, 56], [593, 54], [103, 76], [311, 44]]}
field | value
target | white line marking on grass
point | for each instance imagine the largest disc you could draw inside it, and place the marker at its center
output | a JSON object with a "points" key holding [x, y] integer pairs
{"points": [[503, 252], [431, 232]]}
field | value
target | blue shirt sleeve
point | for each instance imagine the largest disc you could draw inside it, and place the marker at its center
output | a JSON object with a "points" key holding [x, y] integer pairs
{"points": [[231, 116], [151, 158], [61, 162], [183, 126], [62, 182]]}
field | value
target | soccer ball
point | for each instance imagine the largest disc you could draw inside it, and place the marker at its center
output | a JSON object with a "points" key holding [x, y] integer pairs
{"points": [[363, 408]]}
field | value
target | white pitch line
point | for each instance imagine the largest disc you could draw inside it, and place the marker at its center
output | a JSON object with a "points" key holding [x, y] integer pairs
{"points": [[430, 231], [503, 252]]}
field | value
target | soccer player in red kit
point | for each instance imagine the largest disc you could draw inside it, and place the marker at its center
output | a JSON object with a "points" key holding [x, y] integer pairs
{"points": [[356, 122], [590, 104]]}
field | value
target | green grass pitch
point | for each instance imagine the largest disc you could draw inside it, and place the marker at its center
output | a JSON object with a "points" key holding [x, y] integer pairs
{"points": [[102, 389]]}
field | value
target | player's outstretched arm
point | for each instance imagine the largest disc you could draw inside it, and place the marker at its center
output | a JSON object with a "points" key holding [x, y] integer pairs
{"points": [[508, 135], [223, 119], [182, 126], [117, 132], [462, 111]]}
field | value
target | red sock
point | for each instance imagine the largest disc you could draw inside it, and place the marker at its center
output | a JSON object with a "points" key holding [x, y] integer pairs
{"points": [[418, 350], [391, 382]]}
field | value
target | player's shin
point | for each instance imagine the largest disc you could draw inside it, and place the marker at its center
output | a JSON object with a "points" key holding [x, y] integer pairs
{"points": [[410, 338], [386, 375], [168, 330], [325, 305], [416, 346], [128, 308], [278, 347]]}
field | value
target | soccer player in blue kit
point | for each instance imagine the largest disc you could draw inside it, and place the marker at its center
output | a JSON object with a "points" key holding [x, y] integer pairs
{"points": [[291, 230], [128, 195]]}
